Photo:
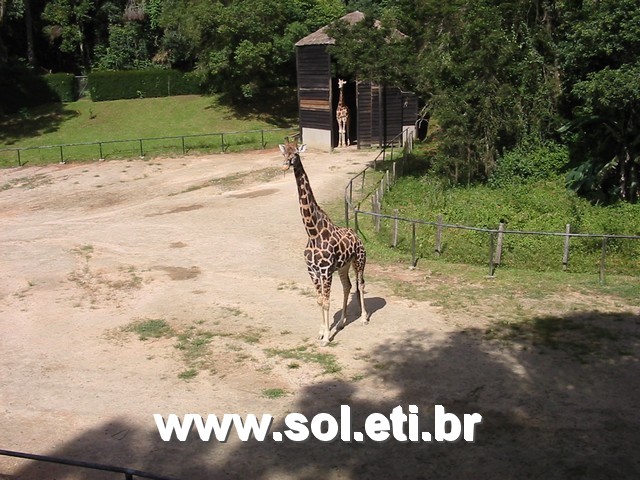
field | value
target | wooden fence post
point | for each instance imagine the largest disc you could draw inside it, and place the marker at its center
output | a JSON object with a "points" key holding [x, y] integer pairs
{"points": [[346, 212], [498, 255], [603, 260], [351, 192], [565, 253], [491, 263], [378, 211], [374, 205], [394, 242], [439, 235], [414, 258]]}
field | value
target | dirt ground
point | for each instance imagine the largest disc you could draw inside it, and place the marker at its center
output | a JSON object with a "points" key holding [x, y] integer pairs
{"points": [[212, 247]]}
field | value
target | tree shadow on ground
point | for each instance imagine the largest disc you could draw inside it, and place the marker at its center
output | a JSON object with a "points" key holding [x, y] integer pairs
{"points": [[547, 413], [33, 122], [278, 107]]}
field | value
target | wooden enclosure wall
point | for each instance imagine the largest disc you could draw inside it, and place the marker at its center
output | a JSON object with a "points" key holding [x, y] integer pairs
{"points": [[383, 112], [314, 87], [379, 115]]}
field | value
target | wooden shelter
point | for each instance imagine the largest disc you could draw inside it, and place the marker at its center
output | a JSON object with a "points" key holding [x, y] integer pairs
{"points": [[377, 113]]}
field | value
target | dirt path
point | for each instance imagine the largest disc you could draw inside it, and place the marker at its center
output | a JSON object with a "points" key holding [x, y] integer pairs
{"points": [[211, 247]]}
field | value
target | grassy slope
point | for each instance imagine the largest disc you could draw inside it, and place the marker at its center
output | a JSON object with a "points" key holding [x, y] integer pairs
{"points": [[87, 121], [542, 207]]}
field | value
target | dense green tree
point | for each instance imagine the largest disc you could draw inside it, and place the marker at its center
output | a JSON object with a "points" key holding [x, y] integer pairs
{"points": [[601, 61], [127, 49], [68, 23], [134, 38], [482, 66], [242, 47]]}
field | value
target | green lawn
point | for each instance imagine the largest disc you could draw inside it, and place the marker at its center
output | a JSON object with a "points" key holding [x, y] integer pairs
{"points": [[86, 121]]}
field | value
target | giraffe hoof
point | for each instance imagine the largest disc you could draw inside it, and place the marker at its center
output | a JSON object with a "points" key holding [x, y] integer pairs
{"points": [[324, 343]]}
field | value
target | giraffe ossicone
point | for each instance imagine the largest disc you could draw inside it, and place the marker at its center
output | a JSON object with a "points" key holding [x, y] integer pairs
{"points": [[329, 248]]}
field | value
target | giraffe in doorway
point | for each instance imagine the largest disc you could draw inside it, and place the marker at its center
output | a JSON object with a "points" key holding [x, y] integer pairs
{"points": [[329, 248], [342, 115]]}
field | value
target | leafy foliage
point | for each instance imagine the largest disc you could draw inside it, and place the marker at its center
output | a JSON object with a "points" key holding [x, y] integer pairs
{"points": [[601, 57], [68, 22], [483, 68], [244, 47], [529, 162], [127, 49]]}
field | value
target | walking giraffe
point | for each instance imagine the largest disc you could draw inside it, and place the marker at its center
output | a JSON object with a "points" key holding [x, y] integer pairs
{"points": [[329, 248]]}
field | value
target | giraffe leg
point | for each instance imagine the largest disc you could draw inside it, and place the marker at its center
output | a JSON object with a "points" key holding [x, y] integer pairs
{"points": [[341, 134], [346, 132], [346, 288], [317, 283], [364, 315], [325, 338]]}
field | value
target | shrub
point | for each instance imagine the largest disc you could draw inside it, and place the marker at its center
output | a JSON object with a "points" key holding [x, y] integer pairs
{"points": [[529, 162], [22, 87], [63, 86]]}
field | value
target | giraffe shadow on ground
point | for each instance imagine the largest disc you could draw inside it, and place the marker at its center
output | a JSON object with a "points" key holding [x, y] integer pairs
{"points": [[372, 304]]}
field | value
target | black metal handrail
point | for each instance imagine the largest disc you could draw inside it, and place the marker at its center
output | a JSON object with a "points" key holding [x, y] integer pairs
{"points": [[129, 473]]}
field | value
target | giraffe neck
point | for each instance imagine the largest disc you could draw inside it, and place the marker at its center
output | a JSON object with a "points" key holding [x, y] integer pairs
{"points": [[341, 99], [313, 217]]}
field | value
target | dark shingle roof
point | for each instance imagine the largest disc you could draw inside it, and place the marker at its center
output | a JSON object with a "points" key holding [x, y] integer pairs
{"points": [[320, 37]]}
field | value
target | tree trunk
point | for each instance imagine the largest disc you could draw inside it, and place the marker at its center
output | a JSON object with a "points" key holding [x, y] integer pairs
{"points": [[28, 20]]}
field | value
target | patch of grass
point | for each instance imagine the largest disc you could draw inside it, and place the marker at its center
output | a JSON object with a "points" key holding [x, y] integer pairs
{"points": [[380, 366], [150, 328], [188, 374], [306, 354], [84, 250], [305, 291], [251, 337], [273, 393], [194, 345]]}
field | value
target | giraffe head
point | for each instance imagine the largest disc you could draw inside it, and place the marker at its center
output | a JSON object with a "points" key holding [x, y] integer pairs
{"points": [[291, 153], [341, 83]]}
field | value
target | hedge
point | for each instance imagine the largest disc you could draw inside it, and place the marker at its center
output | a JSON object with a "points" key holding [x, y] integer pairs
{"points": [[115, 85], [63, 86], [22, 87]]}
